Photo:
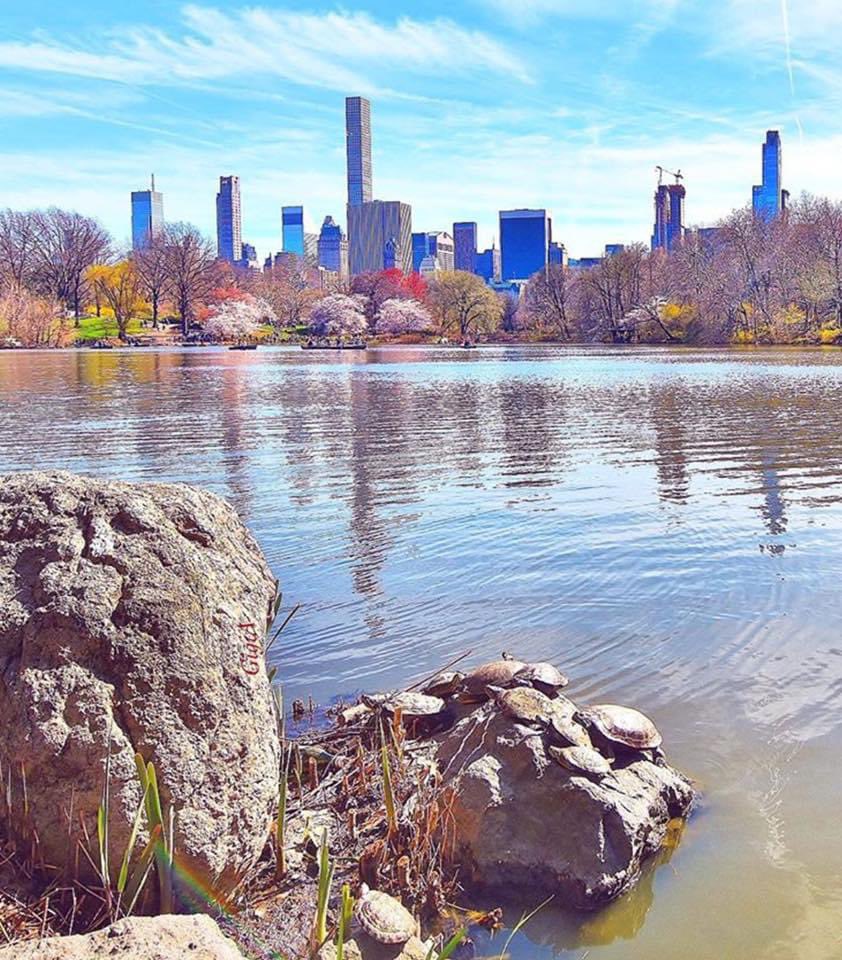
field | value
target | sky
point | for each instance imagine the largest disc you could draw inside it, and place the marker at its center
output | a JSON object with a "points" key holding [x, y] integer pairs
{"points": [[477, 106]]}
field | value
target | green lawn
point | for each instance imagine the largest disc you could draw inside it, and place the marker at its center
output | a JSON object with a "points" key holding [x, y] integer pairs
{"points": [[98, 328]]}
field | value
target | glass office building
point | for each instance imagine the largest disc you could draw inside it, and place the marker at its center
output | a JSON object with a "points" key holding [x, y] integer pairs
{"points": [[229, 225], [465, 246], [358, 149], [292, 225], [769, 198], [524, 242], [147, 216]]}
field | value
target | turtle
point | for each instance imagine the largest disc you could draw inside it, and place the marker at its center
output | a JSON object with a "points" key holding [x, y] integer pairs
{"points": [[545, 677], [525, 704], [497, 673], [414, 704], [581, 760], [384, 918], [565, 728], [622, 726], [444, 684]]}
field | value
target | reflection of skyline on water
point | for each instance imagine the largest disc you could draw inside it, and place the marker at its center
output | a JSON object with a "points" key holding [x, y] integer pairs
{"points": [[599, 508]]}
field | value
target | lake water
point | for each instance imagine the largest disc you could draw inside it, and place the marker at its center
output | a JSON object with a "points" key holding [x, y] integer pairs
{"points": [[663, 524]]}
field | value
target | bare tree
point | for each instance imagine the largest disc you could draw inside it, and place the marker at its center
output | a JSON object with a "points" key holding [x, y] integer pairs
{"points": [[547, 300], [17, 247], [152, 266], [65, 245], [191, 269]]}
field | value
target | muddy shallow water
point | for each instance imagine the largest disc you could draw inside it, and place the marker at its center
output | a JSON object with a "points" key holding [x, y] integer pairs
{"points": [[663, 524]]}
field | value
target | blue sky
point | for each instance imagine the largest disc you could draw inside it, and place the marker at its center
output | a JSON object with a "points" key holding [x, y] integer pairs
{"points": [[478, 106]]}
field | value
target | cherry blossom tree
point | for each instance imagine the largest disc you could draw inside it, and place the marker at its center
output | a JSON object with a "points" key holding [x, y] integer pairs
{"points": [[403, 316], [239, 319], [338, 315]]}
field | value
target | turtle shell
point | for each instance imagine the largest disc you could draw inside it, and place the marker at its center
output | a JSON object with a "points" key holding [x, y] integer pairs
{"points": [[545, 676], [444, 684], [414, 704], [581, 760], [564, 728], [525, 704], [623, 725], [384, 918], [497, 673]]}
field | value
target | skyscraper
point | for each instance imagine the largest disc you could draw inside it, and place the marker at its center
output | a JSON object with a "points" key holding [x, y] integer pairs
{"points": [[488, 264], [380, 236], [358, 150], [333, 248], [768, 199], [465, 246], [292, 221], [669, 216], [436, 244], [525, 237], [229, 225], [147, 216]]}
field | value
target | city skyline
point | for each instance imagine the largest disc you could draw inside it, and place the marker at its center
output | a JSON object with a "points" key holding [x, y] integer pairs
{"points": [[506, 130]]}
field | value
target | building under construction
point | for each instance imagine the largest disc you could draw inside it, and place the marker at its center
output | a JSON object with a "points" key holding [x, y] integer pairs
{"points": [[669, 211]]}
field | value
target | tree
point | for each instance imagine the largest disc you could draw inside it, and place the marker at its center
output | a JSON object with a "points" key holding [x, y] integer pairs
{"points": [[151, 263], [547, 300], [287, 289], [239, 319], [463, 304], [64, 246], [191, 271], [31, 320], [339, 316], [17, 248], [403, 316], [118, 285]]}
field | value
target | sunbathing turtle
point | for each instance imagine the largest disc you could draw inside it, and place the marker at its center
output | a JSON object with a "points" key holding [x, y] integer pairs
{"points": [[497, 673], [413, 704], [444, 684], [622, 726], [563, 726], [384, 918], [525, 704], [545, 677], [581, 760]]}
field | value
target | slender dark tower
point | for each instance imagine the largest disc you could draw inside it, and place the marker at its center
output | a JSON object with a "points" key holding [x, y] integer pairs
{"points": [[358, 147]]}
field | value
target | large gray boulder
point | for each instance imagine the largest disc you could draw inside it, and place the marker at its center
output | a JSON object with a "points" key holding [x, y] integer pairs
{"points": [[131, 620], [136, 938], [523, 822]]}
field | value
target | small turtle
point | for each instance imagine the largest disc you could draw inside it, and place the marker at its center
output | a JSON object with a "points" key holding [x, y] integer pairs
{"points": [[563, 727], [543, 676], [414, 704], [444, 684], [384, 918], [581, 760], [623, 726], [525, 705], [497, 673]]}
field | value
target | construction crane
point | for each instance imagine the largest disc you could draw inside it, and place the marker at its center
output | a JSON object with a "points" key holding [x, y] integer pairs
{"points": [[679, 176]]}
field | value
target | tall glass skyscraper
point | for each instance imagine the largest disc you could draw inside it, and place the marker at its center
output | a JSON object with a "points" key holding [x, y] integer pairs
{"points": [[358, 149], [292, 221], [229, 224], [465, 246], [525, 237], [768, 199], [380, 234], [147, 216]]}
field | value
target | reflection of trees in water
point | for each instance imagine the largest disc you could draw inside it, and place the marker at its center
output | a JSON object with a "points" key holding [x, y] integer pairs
{"points": [[668, 409], [531, 421], [236, 406]]}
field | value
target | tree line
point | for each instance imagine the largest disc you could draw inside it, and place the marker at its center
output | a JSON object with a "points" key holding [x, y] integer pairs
{"points": [[745, 281]]}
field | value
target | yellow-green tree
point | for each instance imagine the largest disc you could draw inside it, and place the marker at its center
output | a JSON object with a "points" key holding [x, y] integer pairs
{"points": [[118, 285], [463, 303]]}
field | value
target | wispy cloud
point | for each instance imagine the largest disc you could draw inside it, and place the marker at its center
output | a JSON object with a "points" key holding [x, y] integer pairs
{"points": [[337, 51]]}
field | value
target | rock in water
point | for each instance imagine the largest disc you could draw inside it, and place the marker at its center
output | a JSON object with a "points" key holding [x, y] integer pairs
{"points": [[135, 613], [136, 938], [524, 822]]}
